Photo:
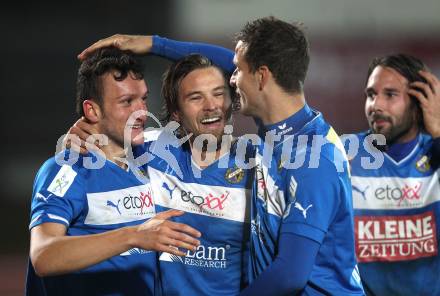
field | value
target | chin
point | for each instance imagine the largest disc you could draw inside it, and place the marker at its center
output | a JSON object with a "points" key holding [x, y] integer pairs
{"points": [[137, 140]]}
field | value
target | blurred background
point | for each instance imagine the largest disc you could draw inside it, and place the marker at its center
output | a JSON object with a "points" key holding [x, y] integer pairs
{"points": [[40, 42]]}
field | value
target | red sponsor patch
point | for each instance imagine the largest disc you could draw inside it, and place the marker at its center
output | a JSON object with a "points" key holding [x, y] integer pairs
{"points": [[395, 238]]}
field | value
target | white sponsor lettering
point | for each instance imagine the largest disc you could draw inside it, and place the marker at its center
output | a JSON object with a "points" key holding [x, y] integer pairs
{"points": [[395, 238], [203, 256]]}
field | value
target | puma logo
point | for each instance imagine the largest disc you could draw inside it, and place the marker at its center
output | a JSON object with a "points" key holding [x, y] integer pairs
{"points": [[111, 204], [303, 211], [165, 185], [356, 189]]}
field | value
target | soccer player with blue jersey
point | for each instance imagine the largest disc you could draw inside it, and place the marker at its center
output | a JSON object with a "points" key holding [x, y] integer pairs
{"points": [[302, 239], [89, 234], [205, 182], [302, 222], [212, 190], [397, 206]]}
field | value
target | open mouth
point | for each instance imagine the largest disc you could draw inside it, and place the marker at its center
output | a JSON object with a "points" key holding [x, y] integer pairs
{"points": [[139, 125], [211, 120]]}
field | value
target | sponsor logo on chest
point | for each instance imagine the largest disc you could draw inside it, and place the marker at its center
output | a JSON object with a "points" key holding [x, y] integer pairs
{"points": [[204, 257], [209, 200], [395, 238], [119, 206], [394, 193]]}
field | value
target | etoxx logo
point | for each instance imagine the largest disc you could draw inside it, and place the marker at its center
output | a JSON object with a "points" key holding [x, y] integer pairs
{"points": [[209, 201], [404, 193]]}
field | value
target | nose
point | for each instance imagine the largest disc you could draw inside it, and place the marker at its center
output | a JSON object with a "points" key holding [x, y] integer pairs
{"points": [[210, 103], [377, 102], [141, 106]]}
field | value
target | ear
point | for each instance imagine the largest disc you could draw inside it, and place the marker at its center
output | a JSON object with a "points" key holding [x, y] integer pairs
{"points": [[92, 111], [175, 116], [263, 74]]}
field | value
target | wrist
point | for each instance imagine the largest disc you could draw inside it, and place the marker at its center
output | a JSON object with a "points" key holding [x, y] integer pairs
{"points": [[129, 237]]}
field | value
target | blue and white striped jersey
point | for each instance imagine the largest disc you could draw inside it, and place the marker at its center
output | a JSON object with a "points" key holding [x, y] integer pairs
{"points": [[215, 200], [91, 201], [397, 211]]}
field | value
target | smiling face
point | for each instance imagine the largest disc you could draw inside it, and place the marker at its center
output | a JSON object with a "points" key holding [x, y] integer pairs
{"points": [[388, 107], [120, 99], [204, 102]]}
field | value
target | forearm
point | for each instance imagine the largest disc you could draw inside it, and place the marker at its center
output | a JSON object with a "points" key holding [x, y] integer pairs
{"points": [[63, 254], [175, 50], [290, 270]]}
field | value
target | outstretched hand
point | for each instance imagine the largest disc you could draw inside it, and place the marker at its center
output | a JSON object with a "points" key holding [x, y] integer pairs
{"points": [[429, 99], [137, 44], [161, 234]]}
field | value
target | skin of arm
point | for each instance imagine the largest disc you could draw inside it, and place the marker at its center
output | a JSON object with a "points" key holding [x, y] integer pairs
{"points": [[52, 252]]}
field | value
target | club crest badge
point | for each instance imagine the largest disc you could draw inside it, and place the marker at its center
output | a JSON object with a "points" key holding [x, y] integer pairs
{"points": [[422, 164], [234, 175]]}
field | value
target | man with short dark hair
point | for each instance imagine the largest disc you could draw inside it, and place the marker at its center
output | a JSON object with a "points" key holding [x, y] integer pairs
{"points": [[89, 234], [301, 214], [397, 208]]}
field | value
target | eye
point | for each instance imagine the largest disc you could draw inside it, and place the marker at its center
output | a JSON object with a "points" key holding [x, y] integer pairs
{"points": [[369, 94], [127, 101], [219, 94], [390, 94]]}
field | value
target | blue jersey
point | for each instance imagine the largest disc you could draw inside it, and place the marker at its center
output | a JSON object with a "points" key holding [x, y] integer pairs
{"points": [[303, 188], [91, 201], [397, 210], [214, 200]]}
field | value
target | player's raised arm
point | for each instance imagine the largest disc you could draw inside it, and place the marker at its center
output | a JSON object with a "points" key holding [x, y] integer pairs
{"points": [[138, 44], [164, 47]]}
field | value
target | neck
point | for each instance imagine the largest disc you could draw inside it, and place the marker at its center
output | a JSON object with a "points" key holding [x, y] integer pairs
{"points": [[408, 136], [279, 106], [114, 152], [203, 156]]}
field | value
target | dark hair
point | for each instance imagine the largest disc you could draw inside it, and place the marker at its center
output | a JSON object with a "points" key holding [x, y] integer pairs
{"points": [[173, 77], [407, 66], [89, 82], [280, 46]]}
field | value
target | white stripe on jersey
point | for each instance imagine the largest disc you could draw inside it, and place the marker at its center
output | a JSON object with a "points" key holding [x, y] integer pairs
{"points": [[120, 206], [56, 217], [371, 193], [209, 200]]}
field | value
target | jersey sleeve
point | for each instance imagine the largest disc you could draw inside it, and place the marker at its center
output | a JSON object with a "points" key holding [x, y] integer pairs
{"points": [[282, 276], [313, 197], [175, 50], [58, 194]]}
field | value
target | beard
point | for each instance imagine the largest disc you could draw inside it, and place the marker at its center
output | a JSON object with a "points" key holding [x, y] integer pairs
{"points": [[397, 129]]}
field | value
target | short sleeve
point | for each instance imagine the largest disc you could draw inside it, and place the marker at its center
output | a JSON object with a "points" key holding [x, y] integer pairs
{"points": [[58, 194]]}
